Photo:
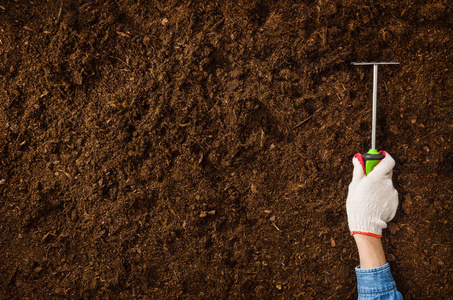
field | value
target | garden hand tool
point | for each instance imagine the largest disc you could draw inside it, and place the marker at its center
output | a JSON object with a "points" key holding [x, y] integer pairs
{"points": [[373, 157]]}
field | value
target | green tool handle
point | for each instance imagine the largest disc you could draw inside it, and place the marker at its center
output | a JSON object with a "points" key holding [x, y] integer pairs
{"points": [[371, 158]]}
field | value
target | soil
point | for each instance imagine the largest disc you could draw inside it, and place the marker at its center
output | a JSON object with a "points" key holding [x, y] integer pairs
{"points": [[202, 149]]}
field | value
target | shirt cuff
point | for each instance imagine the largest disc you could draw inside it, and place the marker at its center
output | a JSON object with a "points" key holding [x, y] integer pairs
{"points": [[375, 281]]}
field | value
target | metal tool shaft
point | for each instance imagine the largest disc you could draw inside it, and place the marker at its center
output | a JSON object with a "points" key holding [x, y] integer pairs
{"points": [[375, 84], [373, 121]]}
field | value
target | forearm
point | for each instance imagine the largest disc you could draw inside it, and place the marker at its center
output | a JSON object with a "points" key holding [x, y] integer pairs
{"points": [[371, 252], [374, 279]]}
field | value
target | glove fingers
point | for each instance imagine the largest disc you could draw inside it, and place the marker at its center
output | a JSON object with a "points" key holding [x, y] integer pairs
{"points": [[385, 166], [359, 167]]}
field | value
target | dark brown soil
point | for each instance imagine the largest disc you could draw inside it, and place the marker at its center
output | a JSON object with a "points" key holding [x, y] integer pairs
{"points": [[202, 149]]}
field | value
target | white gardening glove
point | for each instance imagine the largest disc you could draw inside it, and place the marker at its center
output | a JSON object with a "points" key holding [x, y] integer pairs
{"points": [[372, 200]]}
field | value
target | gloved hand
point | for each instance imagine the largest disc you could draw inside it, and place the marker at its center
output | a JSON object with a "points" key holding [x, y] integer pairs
{"points": [[372, 200]]}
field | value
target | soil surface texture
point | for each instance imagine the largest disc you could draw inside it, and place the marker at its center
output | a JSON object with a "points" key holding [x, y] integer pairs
{"points": [[202, 149]]}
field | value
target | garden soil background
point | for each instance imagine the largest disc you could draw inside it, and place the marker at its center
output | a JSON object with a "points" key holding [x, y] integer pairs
{"points": [[202, 149]]}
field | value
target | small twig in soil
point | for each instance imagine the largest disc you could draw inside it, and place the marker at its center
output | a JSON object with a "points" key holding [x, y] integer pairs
{"points": [[59, 12], [432, 132], [176, 275], [307, 118], [214, 27]]}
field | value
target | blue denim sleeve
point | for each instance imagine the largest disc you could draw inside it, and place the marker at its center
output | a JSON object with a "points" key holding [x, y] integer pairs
{"points": [[376, 283]]}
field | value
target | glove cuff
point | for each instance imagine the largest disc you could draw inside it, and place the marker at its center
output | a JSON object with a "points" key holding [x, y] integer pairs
{"points": [[366, 233], [367, 226]]}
